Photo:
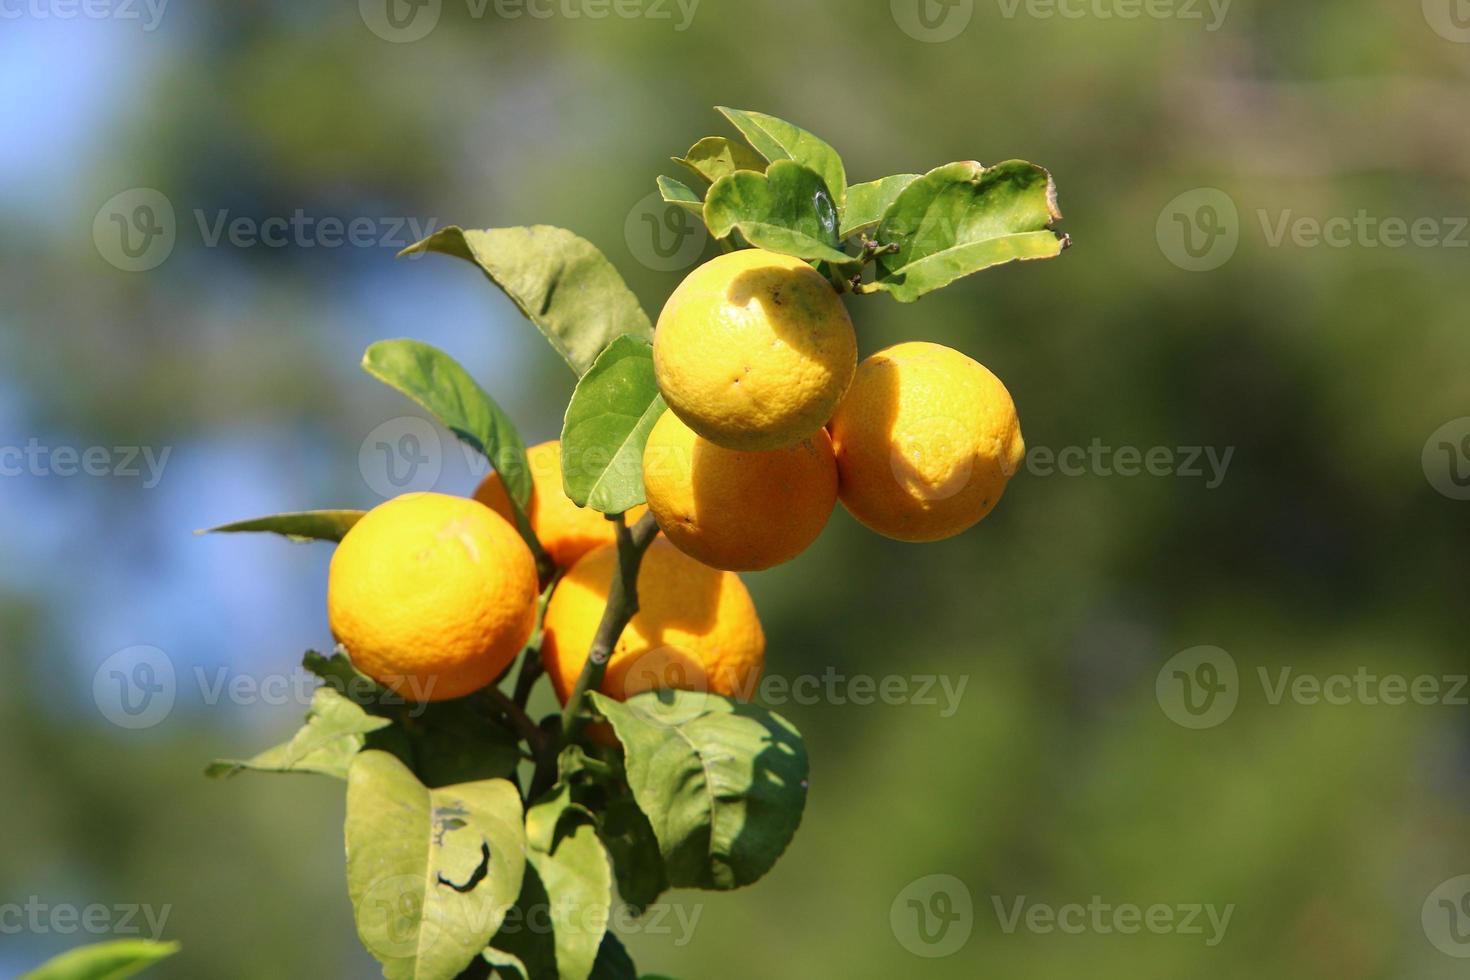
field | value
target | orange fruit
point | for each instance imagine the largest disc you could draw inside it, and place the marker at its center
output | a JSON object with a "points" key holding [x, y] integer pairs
{"points": [[696, 628], [433, 596], [753, 350], [735, 510], [926, 441]]}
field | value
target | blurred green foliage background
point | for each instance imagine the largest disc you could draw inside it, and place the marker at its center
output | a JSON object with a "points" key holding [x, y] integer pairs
{"points": [[1325, 548]]}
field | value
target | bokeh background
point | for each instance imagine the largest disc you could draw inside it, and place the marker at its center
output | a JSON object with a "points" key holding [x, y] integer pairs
{"points": [[1194, 146]]}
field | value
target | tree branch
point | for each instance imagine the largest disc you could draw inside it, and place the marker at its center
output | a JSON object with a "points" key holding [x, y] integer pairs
{"points": [[622, 605]]}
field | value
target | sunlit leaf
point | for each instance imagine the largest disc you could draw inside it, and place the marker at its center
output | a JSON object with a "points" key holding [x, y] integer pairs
{"points": [[607, 424], [560, 281], [430, 873], [962, 218]]}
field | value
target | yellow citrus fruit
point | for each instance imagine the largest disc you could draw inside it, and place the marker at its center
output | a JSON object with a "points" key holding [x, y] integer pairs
{"points": [[741, 511], [433, 596], [696, 627], [754, 350], [566, 531], [926, 441]]}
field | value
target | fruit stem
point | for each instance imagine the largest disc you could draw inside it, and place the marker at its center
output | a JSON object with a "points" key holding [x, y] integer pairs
{"points": [[622, 606]]}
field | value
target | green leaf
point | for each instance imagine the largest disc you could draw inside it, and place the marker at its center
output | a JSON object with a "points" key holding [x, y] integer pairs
{"points": [[561, 282], [568, 885], [334, 733], [338, 674], [443, 742], [458, 741], [674, 192], [309, 525], [613, 961], [787, 209], [715, 156], [431, 873], [113, 960], [506, 965], [723, 783], [436, 381], [637, 862], [776, 139], [607, 424], [962, 218], [867, 203]]}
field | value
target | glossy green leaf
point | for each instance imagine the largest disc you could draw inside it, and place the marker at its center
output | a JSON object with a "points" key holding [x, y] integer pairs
{"points": [[113, 960], [787, 209], [430, 873], [867, 203], [309, 525], [715, 156], [674, 192], [776, 139], [607, 424], [336, 730], [561, 282], [962, 218], [723, 783]]}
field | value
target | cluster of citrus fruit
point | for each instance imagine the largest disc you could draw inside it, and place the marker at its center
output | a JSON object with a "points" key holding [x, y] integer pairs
{"points": [[772, 420]]}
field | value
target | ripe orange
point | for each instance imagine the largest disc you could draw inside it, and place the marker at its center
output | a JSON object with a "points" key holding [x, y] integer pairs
{"points": [[433, 596]]}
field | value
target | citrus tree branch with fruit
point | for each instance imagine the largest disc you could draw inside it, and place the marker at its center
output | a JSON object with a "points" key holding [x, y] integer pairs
{"points": [[483, 842]]}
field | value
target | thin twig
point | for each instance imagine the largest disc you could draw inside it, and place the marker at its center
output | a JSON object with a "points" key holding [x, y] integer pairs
{"points": [[517, 716]]}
